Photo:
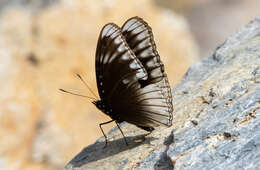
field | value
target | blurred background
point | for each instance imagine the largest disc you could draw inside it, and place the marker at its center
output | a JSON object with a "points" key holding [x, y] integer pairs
{"points": [[44, 43]]}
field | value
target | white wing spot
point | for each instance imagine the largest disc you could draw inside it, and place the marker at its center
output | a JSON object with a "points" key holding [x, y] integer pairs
{"points": [[126, 81], [125, 57], [133, 65], [118, 40], [121, 48], [141, 75]]}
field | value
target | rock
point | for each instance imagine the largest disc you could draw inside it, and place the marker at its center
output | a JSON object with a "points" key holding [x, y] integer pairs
{"points": [[42, 46], [216, 121]]}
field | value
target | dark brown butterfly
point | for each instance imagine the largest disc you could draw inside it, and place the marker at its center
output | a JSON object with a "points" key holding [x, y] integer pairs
{"points": [[131, 80]]}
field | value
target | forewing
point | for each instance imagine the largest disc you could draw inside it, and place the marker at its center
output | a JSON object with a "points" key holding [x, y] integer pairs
{"points": [[115, 62]]}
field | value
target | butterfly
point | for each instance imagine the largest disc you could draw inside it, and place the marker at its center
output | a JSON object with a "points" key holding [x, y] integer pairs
{"points": [[131, 79]]}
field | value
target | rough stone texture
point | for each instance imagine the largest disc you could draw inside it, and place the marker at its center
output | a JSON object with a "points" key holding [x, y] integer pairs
{"points": [[40, 52], [223, 96], [216, 118]]}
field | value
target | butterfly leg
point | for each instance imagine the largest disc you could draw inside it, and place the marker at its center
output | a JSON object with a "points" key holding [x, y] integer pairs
{"points": [[122, 133], [100, 125]]}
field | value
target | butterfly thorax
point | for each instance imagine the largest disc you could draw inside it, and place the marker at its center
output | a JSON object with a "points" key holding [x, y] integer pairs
{"points": [[101, 105]]}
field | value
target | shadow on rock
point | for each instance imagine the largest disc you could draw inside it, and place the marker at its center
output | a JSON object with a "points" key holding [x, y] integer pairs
{"points": [[97, 151]]}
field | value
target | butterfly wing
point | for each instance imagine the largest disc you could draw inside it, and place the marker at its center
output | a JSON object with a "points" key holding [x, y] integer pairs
{"points": [[130, 76], [115, 63]]}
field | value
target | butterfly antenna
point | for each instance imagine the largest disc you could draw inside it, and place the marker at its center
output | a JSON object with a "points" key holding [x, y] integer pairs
{"points": [[86, 85], [65, 91]]}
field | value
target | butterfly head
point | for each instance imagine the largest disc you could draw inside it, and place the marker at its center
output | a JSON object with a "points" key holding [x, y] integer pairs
{"points": [[98, 104]]}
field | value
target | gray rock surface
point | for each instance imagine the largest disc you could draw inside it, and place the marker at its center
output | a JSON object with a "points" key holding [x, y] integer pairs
{"points": [[216, 118]]}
